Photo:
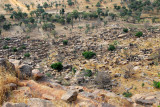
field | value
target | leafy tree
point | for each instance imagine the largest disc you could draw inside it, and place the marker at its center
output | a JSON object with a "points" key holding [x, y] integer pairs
{"points": [[99, 11], [98, 4], [62, 11], [49, 26], [28, 6], [70, 3], [62, 21], [75, 14], [7, 26], [45, 5], [8, 7], [2, 18]]}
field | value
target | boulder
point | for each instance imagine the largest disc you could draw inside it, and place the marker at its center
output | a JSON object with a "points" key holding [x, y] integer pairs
{"points": [[36, 74], [12, 86], [7, 65], [70, 96], [36, 102], [25, 71], [15, 62], [122, 35], [9, 104]]}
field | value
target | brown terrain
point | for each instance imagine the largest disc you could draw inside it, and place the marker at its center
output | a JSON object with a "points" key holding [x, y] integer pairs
{"points": [[131, 68]]}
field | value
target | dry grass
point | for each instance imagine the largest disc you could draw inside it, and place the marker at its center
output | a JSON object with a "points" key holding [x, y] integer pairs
{"points": [[5, 78]]}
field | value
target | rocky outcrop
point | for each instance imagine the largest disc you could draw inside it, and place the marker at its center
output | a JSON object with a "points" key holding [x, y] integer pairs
{"points": [[9, 67], [70, 96], [25, 71], [147, 99]]}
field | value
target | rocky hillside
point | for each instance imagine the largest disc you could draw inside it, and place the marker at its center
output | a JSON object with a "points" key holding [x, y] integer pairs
{"points": [[47, 93]]}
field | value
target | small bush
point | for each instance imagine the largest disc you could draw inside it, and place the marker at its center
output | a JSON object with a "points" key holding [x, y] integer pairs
{"points": [[57, 66], [88, 54], [14, 49], [127, 94], [156, 84], [48, 74], [7, 39], [65, 42], [103, 80], [88, 73], [74, 70], [26, 55], [22, 47], [111, 48], [139, 34], [125, 30], [5, 47]]}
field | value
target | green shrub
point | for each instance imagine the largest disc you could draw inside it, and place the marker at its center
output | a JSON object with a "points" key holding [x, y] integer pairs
{"points": [[88, 54], [22, 47], [14, 49], [88, 73], [7, 39], [57, 66], [48, 74], [127, 94], [139, 34], [125, 30], [111, 48], [65, 42], [26, 55], [5, 47], [74, 70], [156, 84]]}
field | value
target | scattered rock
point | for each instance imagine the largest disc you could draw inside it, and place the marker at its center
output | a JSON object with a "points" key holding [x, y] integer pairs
{"points": [[48, 97], [8, 104], [70, 96], [117, 75], [36, 102]]}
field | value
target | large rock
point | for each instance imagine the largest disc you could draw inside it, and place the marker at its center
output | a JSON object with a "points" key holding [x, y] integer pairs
{"points": [[70, 96], [36, 102], [36, 74], [25, 71], [9, 67], [147, 99], [15, 62], [8, 104]]}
